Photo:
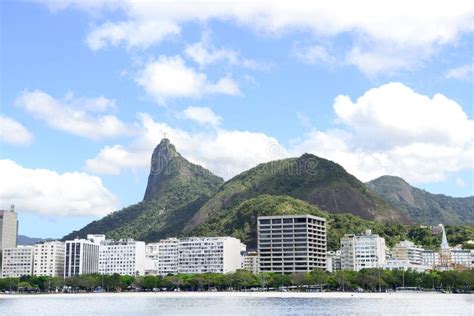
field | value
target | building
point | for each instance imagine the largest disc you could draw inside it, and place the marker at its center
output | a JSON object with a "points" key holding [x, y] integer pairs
{"points": [[96, 238], [209, 254], [250, 262], [405, 265], [8, 229], [461, 258], [124, 257], [17, 262], [333, 261], [81, 257], [49, 259], [407, 250], [168, 256], [430, 258], [151, 259], [291, 243], [362, 251]]}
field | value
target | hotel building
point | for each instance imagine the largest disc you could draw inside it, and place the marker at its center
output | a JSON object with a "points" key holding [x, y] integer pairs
{"points": [[17, 262], [291, 243], [362, 251], [49, 258], [124, 257]]}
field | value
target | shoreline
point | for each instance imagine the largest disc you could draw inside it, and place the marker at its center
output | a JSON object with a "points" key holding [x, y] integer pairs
{"points": [[309, 295]]}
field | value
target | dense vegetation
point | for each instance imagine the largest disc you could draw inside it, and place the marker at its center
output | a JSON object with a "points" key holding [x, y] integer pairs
{"points": [[318, 181], [367, 279], [424, 207], [240, 222]]}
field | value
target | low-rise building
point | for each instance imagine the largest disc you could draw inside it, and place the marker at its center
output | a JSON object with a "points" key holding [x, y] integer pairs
{"points": [[362, 251], [333, 261], [250, 262], [400, 264], [81, 257], [49, 258], [124, 257], [17, 262]]}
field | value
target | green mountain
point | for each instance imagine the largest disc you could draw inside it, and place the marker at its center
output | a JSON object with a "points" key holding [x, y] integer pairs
{"points": [[318, 181], [241, 219], [422, 206], [176, 190]]}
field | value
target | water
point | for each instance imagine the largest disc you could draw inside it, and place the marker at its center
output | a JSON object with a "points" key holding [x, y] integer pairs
{"points": [[238, 304]]}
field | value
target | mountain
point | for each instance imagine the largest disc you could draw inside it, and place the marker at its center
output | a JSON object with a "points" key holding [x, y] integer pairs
{"points": [[422, 206], [176, 189], [318, 181], [28, 241]]}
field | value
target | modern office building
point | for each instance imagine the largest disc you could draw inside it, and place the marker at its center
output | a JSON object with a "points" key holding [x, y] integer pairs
{"points": [[17, 262], [407, 250], [124, 257], [81, 257], [291, 243], [209, 254], [362, 251], [8, 229], [333, 261], [168, 256], [250, 262], [49, 258]]}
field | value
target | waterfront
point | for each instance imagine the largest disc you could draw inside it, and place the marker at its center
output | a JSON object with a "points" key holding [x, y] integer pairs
{"points": [[238, 303]]}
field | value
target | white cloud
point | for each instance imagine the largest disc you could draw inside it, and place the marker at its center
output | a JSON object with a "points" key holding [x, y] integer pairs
{"points": [[314, 54], [465, 72], [406, 27], [394, 130], [169, 77], [202, 115], [48, 192], [13, 132], [73, 115], [224, 152]]}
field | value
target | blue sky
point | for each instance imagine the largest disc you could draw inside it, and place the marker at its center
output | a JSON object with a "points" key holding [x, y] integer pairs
{"points": [[88, 88]]}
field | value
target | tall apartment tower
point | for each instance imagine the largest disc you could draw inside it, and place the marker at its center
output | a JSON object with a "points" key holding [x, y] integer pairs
{"points": [[8, 229], [82, 257], [291, 243], [362, 251], [124, 257], [49, 259], [167, 256]]}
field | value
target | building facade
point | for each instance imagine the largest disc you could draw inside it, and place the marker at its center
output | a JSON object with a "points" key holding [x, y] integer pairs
{"points": [[407, 250], [81, 257], [151, 259], [168, 256], [209, 254], [333, 262], [8, 229], [291, 243], [17, 262], [430, 258], [362, 251], [124, 257], [250, 262], [49, 259], [461, 258]]}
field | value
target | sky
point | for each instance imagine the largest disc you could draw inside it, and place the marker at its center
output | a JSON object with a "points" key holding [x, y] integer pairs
{"points": [[89, 88]]}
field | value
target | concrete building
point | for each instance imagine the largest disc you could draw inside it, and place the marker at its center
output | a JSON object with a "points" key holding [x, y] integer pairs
{"points": [[430, 258], [401, 264], [124, 257], [407, 250], [81, 257], [17, 262], [461, 258], [250, 262], [8, 229], [333, 261], [49, 258], [291, 243], [362, 251], [209, 254], [151, 259], [168, 256]]}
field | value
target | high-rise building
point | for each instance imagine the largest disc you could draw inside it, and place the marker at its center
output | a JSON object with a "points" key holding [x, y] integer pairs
{"points": [[151, 259], [250, 262], [407, 250], [291, 243], [362, 251], [8, 229], [49, 258], [124, 257], [209, 254], [81, 257], [17, 262], [168, 256]]}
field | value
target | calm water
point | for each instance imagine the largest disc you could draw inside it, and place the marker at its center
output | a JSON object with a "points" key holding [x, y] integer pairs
{"points": [[137, 304]]}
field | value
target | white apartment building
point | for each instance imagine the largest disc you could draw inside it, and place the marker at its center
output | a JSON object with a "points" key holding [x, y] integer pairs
{"points": [[209, 254], [333, 261], [49, 258], [8, 229], [291, 243], [81, 257], [250, 262], [461, 257], [362, 251], [17, 262], [124, 257], [430, 258], [401, 264], [407, 250], [168, 256], [151, 259]]}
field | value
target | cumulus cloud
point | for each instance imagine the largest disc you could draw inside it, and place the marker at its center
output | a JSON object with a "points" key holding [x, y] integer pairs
{"points": [[224, 152], [74, 115], [202, 115], [13, 132], [409, 30], [394, 130], [465, 72], [169, 77], [313, 54], [48, 192]]}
